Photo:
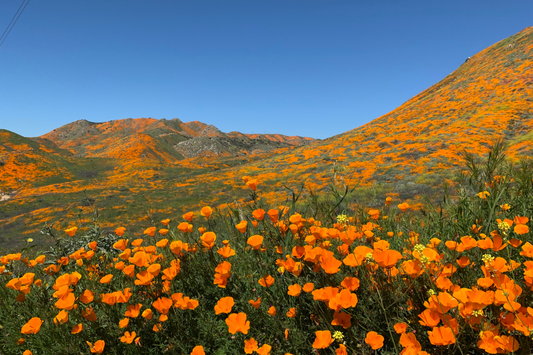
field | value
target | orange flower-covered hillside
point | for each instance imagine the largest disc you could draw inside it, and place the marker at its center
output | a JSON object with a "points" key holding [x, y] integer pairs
{"points": [[296, 279]]}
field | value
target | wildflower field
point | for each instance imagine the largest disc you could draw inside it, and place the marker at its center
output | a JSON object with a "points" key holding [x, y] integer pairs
{"points": [[308, 277]]}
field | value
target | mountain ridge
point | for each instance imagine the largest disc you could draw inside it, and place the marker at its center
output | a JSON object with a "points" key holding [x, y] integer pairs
{"points": [[92, 139]]}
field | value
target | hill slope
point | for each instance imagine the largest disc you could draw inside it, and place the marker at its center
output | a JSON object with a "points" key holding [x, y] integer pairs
{"points": [[412, 148], [29, 162]]}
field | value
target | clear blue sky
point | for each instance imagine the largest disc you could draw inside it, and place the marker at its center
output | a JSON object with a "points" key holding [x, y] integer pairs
{"points": [[298, 67]]}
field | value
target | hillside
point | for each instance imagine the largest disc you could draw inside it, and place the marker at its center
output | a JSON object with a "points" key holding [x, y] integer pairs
{"points": [[148, 169], [26, 162], [415, 147], [162, 140]]}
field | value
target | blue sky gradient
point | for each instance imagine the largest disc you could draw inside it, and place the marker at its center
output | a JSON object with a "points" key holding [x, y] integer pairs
{"points": [[296, 67]]}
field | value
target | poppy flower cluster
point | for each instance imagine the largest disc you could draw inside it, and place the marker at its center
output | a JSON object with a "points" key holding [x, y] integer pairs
{"points": [[283, 282]]}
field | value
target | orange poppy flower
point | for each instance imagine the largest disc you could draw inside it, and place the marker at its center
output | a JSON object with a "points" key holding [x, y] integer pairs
{"points": [[123, 323], [208, 239], [255, 241], [259, 214], [264, 350], [86, 297], [128, 337], [343, 299], [527, 250], [177, 247], [252, 184], [291, 313], [374, 340], [206, 211], [329, 263], [133, 310], [98, 347], [162, 304], [350, 283], [323, 339], [76, 329], [66, 302], [429, 318], [463, 261], [295, 218], [387, 258], [374, 214], [32, 327], [255, 304], [308, 287], [442, 302], [188, 216], [441, 336], [171, 272], [224, 268], [266, 281], [521, 229], [71, 231], [109, 298], [400, 328], [183, 226], [341, 350], [272, 311], [238, 323], [411, 345], [89, 314], [154, 269], [106, 279], [149, 231], [198, 350], [273, 215], [224, 305], [226, 251], [241, 227], [493, 343], [144, 278], [129, 270], [140, 259], [342, 319], [93, 245], [403, 206], [250, 345], [120, 232], [294, 290], [147, 313], [162, 243]]}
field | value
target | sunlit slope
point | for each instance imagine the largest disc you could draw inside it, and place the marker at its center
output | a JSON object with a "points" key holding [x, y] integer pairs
{"points": [[26, 162], [415, 147]]}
